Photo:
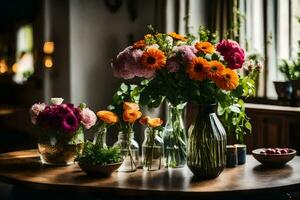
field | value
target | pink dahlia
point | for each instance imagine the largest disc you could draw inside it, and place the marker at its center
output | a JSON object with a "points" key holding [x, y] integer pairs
{"points": [[127, 65], [172, 65], [35, 110], [88, 118], [187, 52], [233, 54]]}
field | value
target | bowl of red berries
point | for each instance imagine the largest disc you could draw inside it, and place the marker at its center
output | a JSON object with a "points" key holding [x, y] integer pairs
{"points": [[274, 157]]}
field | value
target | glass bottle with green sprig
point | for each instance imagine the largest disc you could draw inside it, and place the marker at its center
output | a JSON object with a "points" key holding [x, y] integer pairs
{"points": [[125, 104]]}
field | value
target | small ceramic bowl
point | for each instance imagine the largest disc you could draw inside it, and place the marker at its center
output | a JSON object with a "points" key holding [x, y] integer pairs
{"points": [[99, 170], [273, 160]]}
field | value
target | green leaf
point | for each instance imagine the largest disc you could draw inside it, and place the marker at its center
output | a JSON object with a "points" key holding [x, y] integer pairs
{"points": [[235, 109], [248, 126], [124, 87]]}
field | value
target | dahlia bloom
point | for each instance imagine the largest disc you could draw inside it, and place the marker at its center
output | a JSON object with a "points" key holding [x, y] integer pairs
{"points": [[35, 110], [127, 65], [233, 54], [172, 65], [88, 118], [187, 52]]}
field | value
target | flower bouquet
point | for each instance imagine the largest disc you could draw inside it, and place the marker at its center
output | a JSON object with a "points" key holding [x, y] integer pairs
{"points": [[61, 130], [152, 148]]}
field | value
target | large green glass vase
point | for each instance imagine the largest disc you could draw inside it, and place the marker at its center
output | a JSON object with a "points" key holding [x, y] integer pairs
{"points": [[206, 153]]}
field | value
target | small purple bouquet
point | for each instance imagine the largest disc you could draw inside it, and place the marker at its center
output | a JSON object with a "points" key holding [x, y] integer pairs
{"points": [[61, 128]]}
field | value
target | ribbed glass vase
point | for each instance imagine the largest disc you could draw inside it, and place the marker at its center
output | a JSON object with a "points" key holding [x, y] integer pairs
{"points": [[206, 155]]}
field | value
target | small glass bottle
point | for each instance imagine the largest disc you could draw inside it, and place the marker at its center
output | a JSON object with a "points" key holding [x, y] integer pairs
{"points": [[152, 150], [130, 151], [100, 137], [174, 137]]}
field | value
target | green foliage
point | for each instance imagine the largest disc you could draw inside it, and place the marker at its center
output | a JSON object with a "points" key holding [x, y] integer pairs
{"points": [[290, 69], [94, 155]]}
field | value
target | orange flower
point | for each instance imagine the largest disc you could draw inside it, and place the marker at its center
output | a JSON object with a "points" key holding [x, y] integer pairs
{"points": [[107, 116], [130, 106], [215, 69], [197, 69], [177, 36], [131, 115], [229, 80], [153, 58], [155, 122], [139, 44], [144, 120], [205, 47]]}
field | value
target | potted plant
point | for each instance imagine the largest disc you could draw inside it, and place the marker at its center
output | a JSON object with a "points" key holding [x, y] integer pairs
{"points": [[290, 89], [97, 161], [61, 127]]}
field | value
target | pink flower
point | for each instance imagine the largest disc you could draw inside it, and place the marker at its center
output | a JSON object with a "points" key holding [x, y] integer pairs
{"points": [[172, 65], [127, 65], [187, 52], [35, 110], [88, 118], [233, 54]]}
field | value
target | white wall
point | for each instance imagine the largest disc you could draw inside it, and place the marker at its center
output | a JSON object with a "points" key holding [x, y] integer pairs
{"points": [[96, 36]]}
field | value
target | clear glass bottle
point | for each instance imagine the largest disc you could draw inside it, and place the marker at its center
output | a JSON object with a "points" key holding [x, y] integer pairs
{"points": [[130, 151], [152, 150], [100, 137], [174, 137]]}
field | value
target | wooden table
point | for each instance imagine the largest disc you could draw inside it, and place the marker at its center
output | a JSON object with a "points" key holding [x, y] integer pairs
{"points": [[24, 168]]}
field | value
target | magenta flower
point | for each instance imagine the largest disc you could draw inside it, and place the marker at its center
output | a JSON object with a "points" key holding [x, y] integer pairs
{"points": [[127, 65], [69, 123], [88, 118], [233, 54], [187, 52]]}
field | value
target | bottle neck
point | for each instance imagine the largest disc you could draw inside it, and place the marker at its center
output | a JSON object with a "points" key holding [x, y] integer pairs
{"points": [[125, 136]]}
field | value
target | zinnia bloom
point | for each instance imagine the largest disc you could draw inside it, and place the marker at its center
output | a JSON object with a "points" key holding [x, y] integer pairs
{"points": [[229, 80], [88, 118], [232, 52], [139, 44], [107, 116], [215, 69], [205, 47], [197, 69], [153, 58], [148, 36], [177, 36], [69, 123], [131, 115], [130, 106], [186, 52]]}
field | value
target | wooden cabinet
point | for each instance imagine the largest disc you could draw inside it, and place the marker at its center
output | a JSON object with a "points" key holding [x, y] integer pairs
{"points": [[273, 126]]}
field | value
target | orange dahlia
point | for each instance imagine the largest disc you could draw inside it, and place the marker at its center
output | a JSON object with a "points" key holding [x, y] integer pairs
{"points": [[139, 44], [229, 80], [197, 69], [155, 122], [205, 47], [177, 36], [153, 58], [215, 69]]}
